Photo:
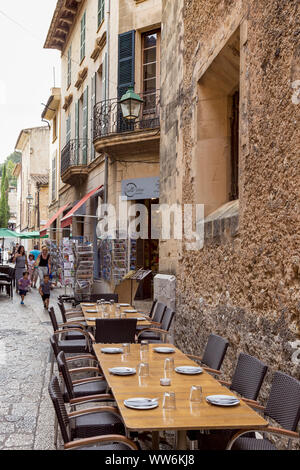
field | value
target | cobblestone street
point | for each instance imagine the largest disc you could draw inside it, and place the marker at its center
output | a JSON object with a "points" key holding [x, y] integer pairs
{"points": [[26, 414]]}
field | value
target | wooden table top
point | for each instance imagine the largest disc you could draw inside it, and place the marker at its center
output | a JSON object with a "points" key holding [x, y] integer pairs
{"points": [[187, 415], [93, 306]]}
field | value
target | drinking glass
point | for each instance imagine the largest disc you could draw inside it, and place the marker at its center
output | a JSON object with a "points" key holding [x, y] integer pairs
{"points": [[144, 350], [169, 401], [196, 394], [143, 369], [117, 311], [126, 349], [123, 315], [168, 367], [112, 302]]}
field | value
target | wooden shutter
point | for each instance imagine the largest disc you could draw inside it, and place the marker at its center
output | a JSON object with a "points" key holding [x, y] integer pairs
{"points": [[85, 126], [82, 36], [68, 129], [77, 143], [93, 102], [54, 177], [101, 4], [125, 73]]}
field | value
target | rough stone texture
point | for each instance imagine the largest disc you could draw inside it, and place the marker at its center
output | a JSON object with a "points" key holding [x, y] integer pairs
{"points": [[246, 287]]}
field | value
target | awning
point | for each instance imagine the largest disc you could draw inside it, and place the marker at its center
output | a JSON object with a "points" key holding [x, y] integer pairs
{"points": [[50, 222], [30, 235], [67, 219]]}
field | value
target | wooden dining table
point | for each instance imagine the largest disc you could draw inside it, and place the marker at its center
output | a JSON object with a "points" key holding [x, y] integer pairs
{"points": [[93, 306], [187, 415]]}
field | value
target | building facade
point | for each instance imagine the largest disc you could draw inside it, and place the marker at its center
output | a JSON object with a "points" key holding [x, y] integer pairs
{"points": [[229, 142], [107, 47], [32, 175]]}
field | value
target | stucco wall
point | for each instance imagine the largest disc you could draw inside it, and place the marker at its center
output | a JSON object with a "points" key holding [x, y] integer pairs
{"points": [[244, 287]]}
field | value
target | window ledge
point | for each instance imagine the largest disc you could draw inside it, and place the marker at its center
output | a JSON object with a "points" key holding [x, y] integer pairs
{"points": [[222, 225]]}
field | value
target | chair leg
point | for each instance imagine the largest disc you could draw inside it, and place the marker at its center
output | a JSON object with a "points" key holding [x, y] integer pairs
{"points": [[52, 363], [55, 431]]}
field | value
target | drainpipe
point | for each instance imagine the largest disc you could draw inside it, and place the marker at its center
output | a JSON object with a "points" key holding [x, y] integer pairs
{"points": [[106, 179]]}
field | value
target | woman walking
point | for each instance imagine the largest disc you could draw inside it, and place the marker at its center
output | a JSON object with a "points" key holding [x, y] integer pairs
{"points": [[20, 259], [43, 263]]}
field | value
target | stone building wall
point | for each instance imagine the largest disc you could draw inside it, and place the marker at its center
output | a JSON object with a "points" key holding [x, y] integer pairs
{"points": [[244, 283]]}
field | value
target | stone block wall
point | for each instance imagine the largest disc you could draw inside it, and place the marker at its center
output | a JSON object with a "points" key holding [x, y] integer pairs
{"points": [[244, 283]]}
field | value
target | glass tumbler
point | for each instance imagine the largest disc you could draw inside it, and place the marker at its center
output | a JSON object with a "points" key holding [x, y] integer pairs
{"points": [[169, 401], [126, 348], [196, 394], [143, 369], [168, 367], [144, 350]]}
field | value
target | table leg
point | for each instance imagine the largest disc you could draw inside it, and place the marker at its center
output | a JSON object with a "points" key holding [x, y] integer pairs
{"points": [[181, 440], [155, 440]]}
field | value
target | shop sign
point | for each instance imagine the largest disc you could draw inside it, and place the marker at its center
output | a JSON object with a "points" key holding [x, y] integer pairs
{"points": [[140, 188]]}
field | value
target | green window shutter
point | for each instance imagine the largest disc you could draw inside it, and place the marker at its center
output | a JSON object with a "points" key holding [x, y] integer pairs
{"points": [[54, 177], [77, 143], [69, 75], [93, 102], [85, 126], [126, 62], [68, 130], [82, 36], [101, 7]]}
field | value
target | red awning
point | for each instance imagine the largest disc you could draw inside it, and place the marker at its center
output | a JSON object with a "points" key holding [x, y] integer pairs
{"points": [[50, 221], [67, 219]]}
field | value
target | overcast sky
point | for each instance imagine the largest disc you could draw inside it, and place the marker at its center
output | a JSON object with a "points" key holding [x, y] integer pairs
{"points": [[26, 70]]}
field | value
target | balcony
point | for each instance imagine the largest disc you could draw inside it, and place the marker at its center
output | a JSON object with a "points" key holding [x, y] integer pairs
{"points": [[74, 161], [116, 136]]}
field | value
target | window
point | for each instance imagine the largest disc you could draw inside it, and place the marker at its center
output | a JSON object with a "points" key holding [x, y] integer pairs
{"points": [[69, 74], [54, 129], [101, 5], [151, 67], [53, 177], [68, 129], [82, 36]]}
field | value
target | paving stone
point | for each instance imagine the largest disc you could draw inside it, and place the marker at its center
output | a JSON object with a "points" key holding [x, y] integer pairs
{"points": [[19, 440]]}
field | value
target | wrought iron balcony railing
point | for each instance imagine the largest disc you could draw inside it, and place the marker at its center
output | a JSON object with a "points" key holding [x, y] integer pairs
{"points": [[74, 153], [108, 118]]}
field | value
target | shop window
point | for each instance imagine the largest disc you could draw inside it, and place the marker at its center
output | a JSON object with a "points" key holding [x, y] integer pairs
{"points": [[216, 161]]}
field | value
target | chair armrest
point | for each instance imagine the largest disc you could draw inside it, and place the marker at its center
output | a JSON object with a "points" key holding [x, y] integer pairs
{"points": [[92, 338], [74, 312], [158, 330], [193, 356], [99, 439], [212, 371], [68, 324], [253, 404], [82, 357], [82, 400], [268, 429], [223, 382], [87, 380], [83, 369], [102, 409]]}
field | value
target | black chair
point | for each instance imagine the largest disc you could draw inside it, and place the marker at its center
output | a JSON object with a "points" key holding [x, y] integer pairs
{"points": [[75, 330], [115, 330], [157, 335], [88, 386], [58, 346], [283, 406], [6, 282], [89, 425], [214, 353], [247, 381], [106, 297], [74, 317]]}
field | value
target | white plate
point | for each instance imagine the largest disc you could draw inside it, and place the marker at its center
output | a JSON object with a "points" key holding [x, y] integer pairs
{"points": [[130, 311], [140, 403], [188, 370], [92, 311], [164, 350], [122, 371], [124, 305], [112, 350], [88, 305], [217, 400], [91, 318], [141, 319]]}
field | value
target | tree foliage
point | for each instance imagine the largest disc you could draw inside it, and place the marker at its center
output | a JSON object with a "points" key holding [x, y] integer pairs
{"points": [[4, 208]]}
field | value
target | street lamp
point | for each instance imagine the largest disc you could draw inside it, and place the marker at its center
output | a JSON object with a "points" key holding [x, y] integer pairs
{"points": [[131, 104]]}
